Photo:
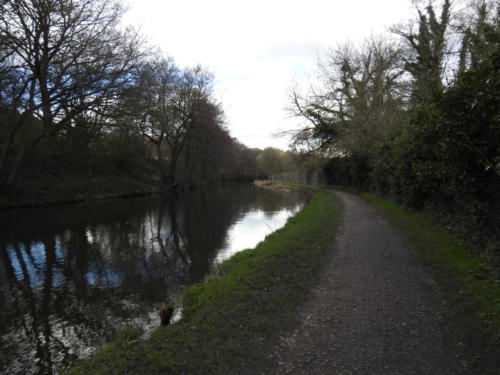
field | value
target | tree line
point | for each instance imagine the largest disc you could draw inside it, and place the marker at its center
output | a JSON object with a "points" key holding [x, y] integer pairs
{"points": [[413, 115], [81, 96]]}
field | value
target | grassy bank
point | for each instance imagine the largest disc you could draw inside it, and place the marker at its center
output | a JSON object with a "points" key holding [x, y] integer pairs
{"points": [[476, 277], [227, 319]]}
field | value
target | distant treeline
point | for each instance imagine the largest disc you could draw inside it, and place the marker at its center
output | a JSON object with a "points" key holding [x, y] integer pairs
{"points": [[414, 115], [88, 109]]}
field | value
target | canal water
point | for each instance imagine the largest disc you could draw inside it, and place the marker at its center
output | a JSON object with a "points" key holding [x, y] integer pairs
{"points": [[73, 276]]}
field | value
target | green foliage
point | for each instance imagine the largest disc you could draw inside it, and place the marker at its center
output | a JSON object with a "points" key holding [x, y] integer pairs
{"points": [[448, 156], [272, 161], [227, 317], [446, 159], [452, 145], [352, 171]]}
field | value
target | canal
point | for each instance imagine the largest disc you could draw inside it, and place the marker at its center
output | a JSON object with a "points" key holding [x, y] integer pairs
{"points": [[73, 276]]}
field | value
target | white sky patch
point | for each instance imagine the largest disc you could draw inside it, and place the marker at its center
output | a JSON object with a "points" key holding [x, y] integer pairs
{"points": [[256, 49], [251, 229]]}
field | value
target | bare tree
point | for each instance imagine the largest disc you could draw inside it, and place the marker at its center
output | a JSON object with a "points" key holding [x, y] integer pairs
{"points": [[193, 88], [149, 103], [68, 58], [207, 144], [164, 106], [362, 102]]}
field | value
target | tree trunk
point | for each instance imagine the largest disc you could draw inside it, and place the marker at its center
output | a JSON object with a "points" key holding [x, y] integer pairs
{"points": [[172, 171]]}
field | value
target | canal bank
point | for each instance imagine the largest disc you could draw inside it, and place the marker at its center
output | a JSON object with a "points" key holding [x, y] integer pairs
{"points": [[47, 188], [52, 190], [228, 318]]}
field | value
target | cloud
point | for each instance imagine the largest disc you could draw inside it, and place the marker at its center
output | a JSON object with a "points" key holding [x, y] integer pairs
{"points": [[292, 50], [258, 48]]}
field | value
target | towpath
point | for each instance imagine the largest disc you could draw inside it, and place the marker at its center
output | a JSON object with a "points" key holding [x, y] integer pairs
{"points": [[376, 309]]}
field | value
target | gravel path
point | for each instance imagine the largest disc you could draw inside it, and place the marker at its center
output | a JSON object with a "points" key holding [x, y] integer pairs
{"points": [[377, 310]]}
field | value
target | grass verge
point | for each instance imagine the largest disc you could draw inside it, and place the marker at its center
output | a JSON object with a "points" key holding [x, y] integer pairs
{"points": [[476, 278], [228, 317]]}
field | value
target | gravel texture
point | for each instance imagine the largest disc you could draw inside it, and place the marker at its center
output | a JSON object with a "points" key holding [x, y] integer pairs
{"points": [[376, 309]]}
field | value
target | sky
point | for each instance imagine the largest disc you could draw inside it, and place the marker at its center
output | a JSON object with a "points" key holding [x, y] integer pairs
{"points": [[257, 49]]}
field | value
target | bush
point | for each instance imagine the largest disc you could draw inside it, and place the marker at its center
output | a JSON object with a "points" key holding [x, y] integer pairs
{"points": [[447, 158]]}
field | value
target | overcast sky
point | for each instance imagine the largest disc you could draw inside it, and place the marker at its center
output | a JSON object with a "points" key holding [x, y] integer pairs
{"points": [[257, 48]]}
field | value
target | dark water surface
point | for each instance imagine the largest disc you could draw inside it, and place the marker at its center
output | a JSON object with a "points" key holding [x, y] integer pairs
{"points": [[72, 276]]}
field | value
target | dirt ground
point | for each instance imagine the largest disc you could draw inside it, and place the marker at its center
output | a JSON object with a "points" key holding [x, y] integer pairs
{"points": [[377, 308]]}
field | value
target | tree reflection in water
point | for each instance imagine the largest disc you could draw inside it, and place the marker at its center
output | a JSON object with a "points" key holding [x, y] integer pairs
{"points": [[72, 276]]}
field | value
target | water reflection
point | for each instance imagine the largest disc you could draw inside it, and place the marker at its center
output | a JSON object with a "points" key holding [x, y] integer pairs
{"points": [[72, 276], [251, 229]]}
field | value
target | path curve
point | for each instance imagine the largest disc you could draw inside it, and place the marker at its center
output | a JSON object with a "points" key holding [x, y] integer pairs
{"points": [[377, 310]]}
